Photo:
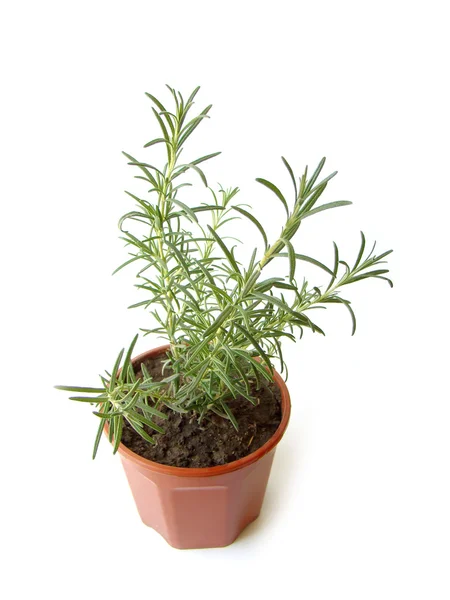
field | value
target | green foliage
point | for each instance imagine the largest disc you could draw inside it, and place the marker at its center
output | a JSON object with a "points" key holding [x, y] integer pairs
{"points": [[225, 324]]}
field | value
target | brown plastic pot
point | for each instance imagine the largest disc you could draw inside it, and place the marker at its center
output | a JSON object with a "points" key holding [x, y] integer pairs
{"points": [[202, 507]]}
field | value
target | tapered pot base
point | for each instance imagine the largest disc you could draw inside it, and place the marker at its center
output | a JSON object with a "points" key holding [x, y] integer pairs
{"points": [[200, 512]]}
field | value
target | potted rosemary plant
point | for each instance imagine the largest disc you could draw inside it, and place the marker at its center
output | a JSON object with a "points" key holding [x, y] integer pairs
{"points": [[196, 421]]}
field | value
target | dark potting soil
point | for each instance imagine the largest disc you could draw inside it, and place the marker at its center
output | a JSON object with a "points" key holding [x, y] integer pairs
{"points": [[214, 441]]}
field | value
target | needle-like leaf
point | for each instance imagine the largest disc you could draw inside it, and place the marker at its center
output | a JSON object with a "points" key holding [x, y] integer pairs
{"points": [[276, 191]]}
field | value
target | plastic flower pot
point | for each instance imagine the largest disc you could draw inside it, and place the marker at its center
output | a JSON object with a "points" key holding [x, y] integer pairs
{"points": [[202, 507]]}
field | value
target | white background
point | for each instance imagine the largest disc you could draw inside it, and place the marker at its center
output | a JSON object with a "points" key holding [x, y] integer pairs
{"points": [[359, 499]]}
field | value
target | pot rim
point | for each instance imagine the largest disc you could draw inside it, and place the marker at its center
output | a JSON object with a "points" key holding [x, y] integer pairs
{"points": [[218, 469]]}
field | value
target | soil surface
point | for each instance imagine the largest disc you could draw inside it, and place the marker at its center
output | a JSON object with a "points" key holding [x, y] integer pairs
{"points": [[214, 441]]}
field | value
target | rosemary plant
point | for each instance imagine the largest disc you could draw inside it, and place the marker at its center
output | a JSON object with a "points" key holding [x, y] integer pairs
{"points": [[223, 320]]}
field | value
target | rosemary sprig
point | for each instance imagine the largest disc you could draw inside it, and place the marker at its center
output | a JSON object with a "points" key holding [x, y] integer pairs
{"points": [[218, 316]]}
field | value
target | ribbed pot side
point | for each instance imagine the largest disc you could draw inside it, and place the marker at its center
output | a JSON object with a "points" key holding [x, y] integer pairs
{"points": [[206, 507]]}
